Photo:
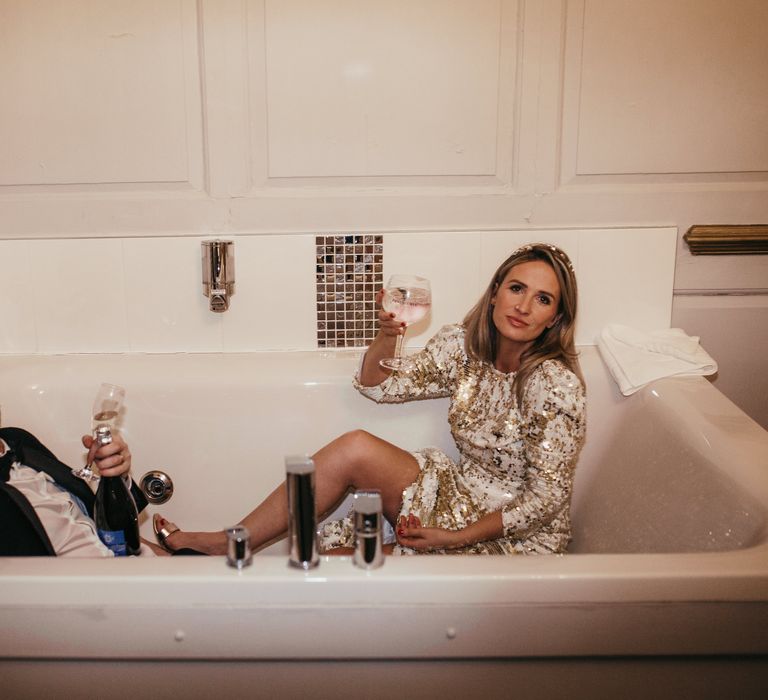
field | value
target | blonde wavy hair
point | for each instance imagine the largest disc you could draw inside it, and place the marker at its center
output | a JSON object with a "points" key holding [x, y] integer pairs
{"points": [[555, 343]]}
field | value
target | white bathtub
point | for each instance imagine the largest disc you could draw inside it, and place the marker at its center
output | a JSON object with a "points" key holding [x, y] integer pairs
{"points": [[670, 513]]}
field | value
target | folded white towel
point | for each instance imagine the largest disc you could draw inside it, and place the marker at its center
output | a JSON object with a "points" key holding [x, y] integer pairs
{"points": [[636, 358]]}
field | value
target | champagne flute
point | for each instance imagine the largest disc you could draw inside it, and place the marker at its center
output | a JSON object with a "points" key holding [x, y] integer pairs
{"points": [[106, 408], [408, 297]]}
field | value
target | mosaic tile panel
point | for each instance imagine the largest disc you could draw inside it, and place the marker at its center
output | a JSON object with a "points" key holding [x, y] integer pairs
{"points": [[348, 275]]}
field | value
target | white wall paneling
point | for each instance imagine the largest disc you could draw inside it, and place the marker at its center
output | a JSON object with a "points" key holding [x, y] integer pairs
{"points": [[259, 116], [100, 94], [453, 120], [397, 89], [659, 89], [224, 31]]}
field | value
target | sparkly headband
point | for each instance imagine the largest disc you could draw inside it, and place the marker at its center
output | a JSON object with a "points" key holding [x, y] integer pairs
{"points": [[559, 254]]}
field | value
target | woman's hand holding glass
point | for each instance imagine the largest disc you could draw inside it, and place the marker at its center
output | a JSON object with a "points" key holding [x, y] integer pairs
{"points": [[383, 345], [407, 298], [389, 324]]}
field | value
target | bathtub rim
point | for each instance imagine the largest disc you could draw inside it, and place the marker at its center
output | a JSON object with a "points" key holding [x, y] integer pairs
{"points": [[740, 574]]}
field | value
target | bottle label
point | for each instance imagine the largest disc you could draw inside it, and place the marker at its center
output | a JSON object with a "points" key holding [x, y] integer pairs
{"points": [[115, 540]]}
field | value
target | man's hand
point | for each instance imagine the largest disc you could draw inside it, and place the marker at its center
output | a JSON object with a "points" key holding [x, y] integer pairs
{"points": [[113, 459]]}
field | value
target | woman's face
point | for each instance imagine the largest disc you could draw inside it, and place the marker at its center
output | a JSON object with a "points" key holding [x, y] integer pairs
{"points": [[526, 302]]}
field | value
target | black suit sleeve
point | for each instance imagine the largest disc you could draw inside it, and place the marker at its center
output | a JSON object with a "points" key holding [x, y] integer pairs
{"points": [[23, 535], [33, 453]]}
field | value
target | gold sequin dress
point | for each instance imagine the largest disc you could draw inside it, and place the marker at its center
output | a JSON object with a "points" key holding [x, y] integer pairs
{"points": [[519, 461]]}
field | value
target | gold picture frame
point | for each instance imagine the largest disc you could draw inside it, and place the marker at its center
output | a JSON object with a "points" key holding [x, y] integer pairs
{"points": [[728, 240]]}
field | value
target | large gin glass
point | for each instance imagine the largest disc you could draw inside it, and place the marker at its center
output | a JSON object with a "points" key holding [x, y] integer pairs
{"points": [[407, 297]]}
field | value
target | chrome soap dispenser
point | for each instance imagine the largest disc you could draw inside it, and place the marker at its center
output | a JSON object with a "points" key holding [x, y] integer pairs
{"points": [[218, 273]]}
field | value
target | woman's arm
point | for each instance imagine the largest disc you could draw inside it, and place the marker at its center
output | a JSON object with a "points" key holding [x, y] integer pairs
{"points": [[554, 415], [433, 374], [383, 346]]}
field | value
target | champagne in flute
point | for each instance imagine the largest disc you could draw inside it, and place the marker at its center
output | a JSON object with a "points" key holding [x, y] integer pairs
{"points": [[106, 406], [409, 298], [105, 411], [106, 417]]}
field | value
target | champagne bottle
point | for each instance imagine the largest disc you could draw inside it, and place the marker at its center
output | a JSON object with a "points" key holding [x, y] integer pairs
{"points": [[115, 513]]}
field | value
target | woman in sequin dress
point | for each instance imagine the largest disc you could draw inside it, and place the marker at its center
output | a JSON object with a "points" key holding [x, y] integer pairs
{"points": [[517, 414]]}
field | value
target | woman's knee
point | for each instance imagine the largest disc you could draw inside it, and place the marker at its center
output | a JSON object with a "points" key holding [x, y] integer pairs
{"points": [[357, 444], [347, 447]]}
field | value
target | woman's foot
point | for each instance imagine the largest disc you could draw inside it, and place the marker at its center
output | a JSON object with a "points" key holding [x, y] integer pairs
{"points": [[157, 550], [172, 539], [163, 530]]}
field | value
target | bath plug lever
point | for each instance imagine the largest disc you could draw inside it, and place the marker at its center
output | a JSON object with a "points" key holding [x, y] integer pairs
{"points": [[157, 486]]}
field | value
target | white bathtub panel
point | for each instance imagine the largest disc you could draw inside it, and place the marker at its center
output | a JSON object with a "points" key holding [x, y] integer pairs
{"points": [[419, 632], [17, 302], [444, 607], [79, 295], [165, 306]]}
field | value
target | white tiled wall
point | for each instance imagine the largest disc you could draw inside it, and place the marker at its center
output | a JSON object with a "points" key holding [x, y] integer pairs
{"points": [[624, 275], [145, 294], [17, 307]]}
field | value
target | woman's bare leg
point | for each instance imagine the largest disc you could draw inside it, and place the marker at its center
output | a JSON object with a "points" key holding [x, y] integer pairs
{"points": [[356, 460]]}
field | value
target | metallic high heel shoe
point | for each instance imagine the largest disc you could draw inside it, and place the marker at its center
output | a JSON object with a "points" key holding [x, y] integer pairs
{"points": [[163, 530]]}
